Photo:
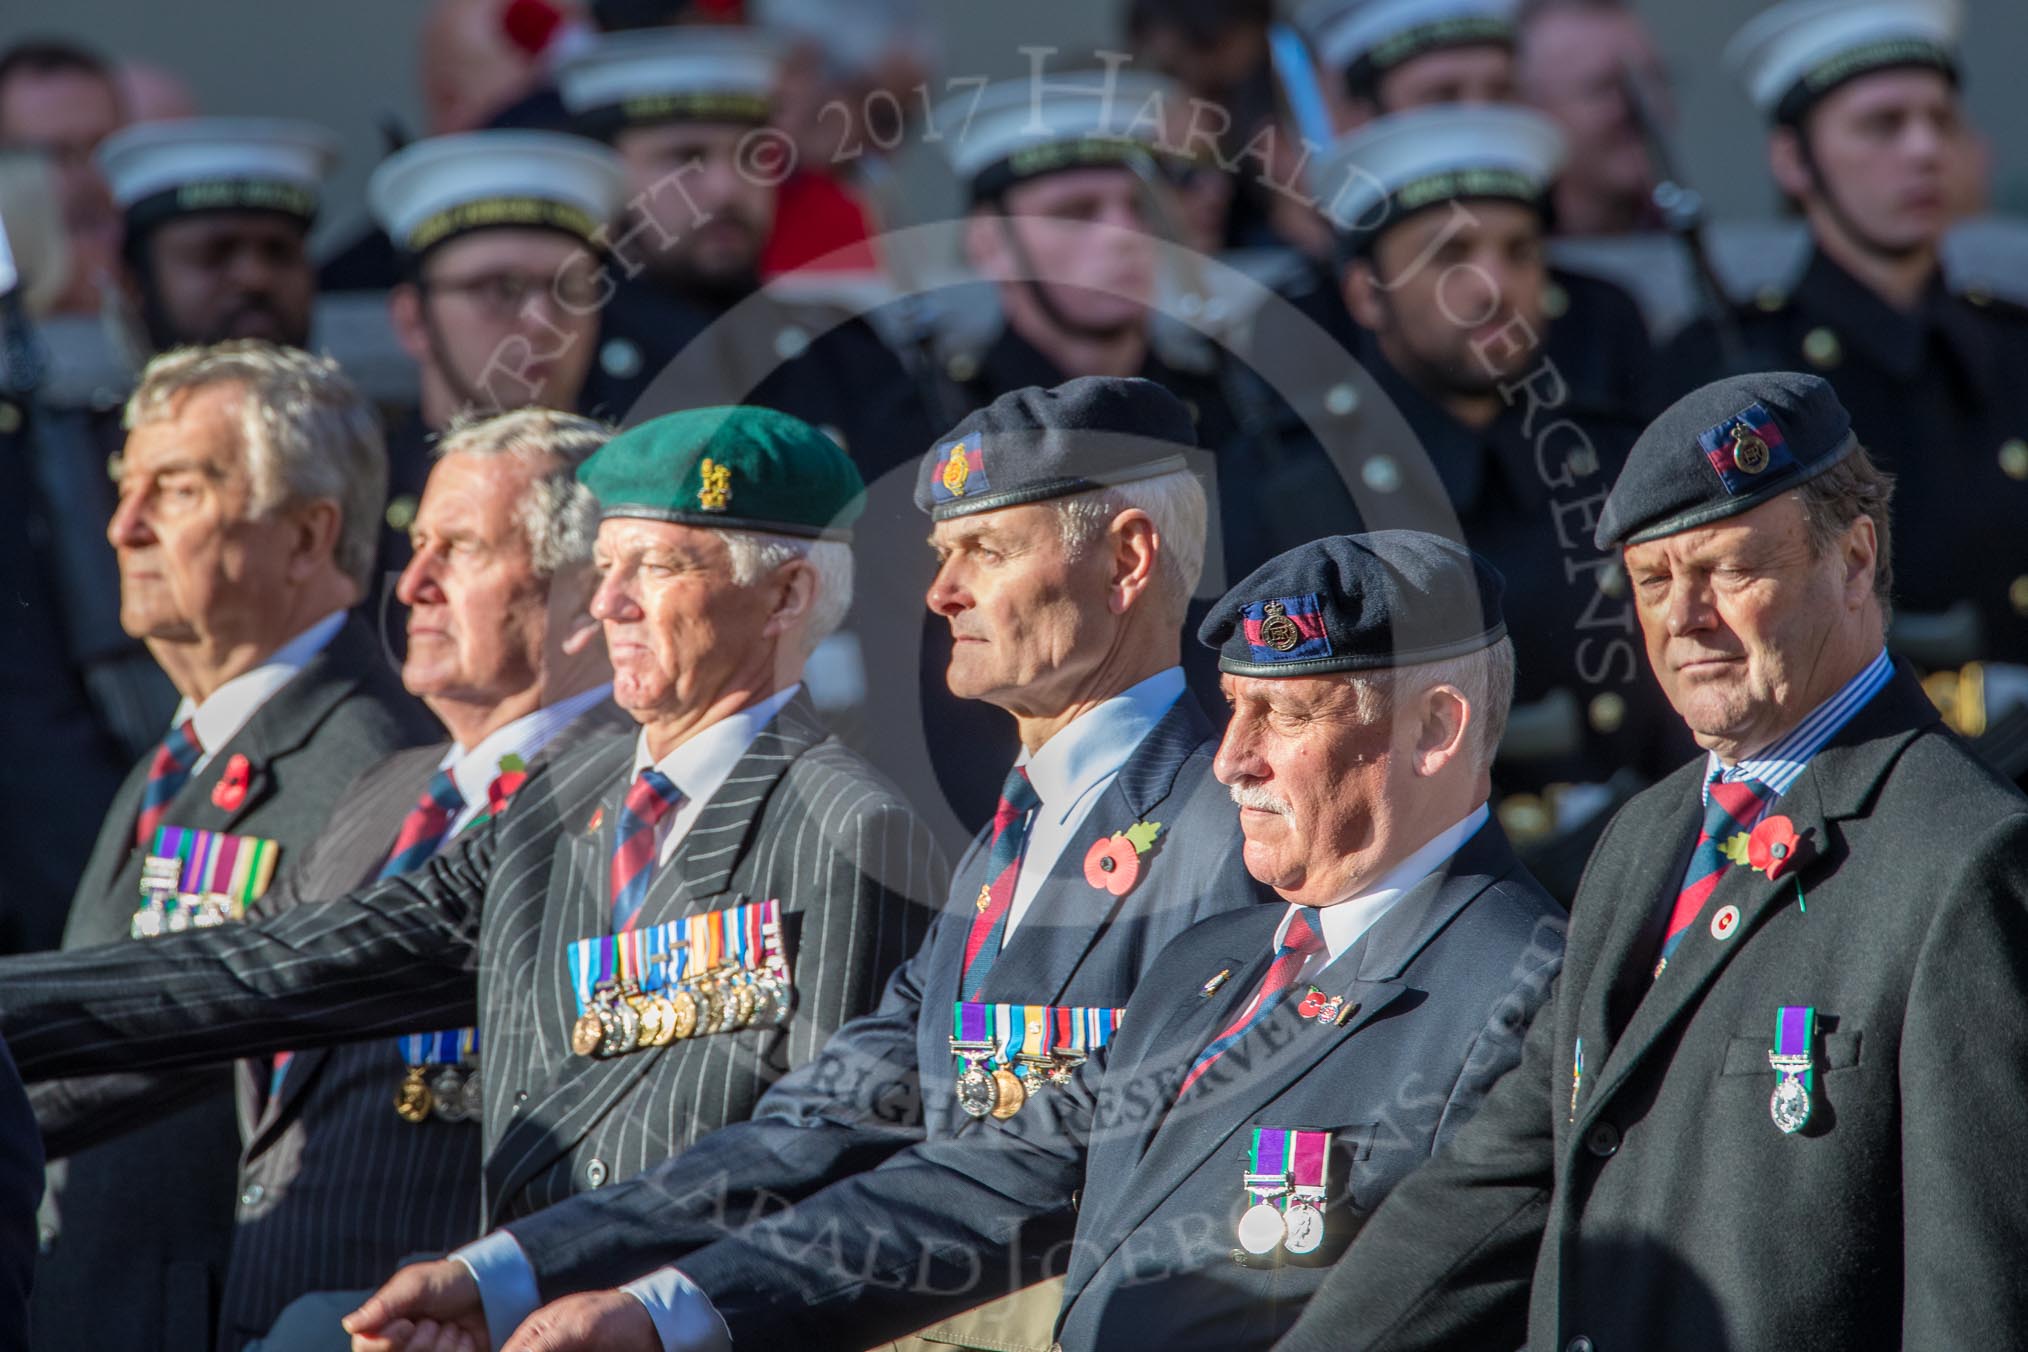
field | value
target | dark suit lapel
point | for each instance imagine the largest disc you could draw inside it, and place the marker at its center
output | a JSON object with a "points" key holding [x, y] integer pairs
{"points": [[699, 873], [1838, 783], [1279, 1050], [1068, 914]]}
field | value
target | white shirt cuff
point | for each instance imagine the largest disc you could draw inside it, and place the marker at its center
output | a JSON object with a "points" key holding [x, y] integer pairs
{"points": [[685, 1319], [506, 1278]]}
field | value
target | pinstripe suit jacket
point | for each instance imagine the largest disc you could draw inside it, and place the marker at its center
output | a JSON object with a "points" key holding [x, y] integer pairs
{"points": [[334, 1189], [888, 1079], [480, 933], [136, 1229]]}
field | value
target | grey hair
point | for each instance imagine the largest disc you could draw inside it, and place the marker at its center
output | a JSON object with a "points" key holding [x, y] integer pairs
{"points": [[1485, 678], [1174, 501], [305, 429], [559, 515], [1831, 502], [755, 554]]}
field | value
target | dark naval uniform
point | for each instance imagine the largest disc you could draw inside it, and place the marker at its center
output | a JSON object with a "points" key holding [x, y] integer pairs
{"points": [[659, 352]]}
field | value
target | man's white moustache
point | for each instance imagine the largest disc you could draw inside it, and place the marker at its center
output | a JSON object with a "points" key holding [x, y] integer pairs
{"points": [[1247, 795]]}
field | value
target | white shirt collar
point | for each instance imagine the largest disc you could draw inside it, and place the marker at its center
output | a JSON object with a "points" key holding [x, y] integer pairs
{"points": [[230, 707], [1094, 745], [472, 771], [701, 765], [1343, 922]]}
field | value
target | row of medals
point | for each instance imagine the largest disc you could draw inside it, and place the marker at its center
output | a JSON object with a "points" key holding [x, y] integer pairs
{"points": [[1266, 1227], [986, 1090], [622, 1018], [155, 916], [447, 1093]]}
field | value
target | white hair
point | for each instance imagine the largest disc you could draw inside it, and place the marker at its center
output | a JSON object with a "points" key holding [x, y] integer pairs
{"points": [[306, 432], [1485, 678], [754, 554], [559, 515], [1174, 501]]}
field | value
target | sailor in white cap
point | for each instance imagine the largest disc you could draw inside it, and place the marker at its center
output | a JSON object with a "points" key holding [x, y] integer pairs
{"points": [[217, 211], [1394, 56], [1440, 216], [501, 284], [687, 108], [1868, 132], [1384, 56]]}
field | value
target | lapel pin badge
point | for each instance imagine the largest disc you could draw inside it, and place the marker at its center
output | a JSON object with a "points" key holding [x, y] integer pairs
{"points": [[1113, 863], [1725, 923], [1212, 985]]}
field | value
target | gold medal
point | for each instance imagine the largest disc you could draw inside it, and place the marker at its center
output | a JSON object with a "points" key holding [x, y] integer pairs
{"points": [[682, 1015], [740, 1005], [412, 1097], [1009, 1093], [658, 1028], [587, 1033]]}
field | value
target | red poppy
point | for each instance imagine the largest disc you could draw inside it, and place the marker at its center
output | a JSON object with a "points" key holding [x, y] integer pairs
{"points": [[504, 786], [230, 790], [1112, 864], [1774, 846]]}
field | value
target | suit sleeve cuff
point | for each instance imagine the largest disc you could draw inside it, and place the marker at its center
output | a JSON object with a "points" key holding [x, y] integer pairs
{"points": [[685, 1319], [507, 1290]]}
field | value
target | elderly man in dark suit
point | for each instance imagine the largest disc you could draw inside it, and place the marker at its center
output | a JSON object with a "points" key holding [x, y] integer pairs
{"points": [[1280, 1067], [250, 491], [340, 1175], [1068, 550], [661, 923], [1774, 1102]]}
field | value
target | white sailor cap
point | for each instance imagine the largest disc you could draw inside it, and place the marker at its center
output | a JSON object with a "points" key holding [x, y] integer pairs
{"points": [[446, 186], [161, 169], [1019, 129], [1397, 165], [1792, 55], [1367, 38], [685, 73]]}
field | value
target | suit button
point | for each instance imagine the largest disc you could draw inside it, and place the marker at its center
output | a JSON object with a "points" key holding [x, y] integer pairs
{"points": [[252, 1196], [1603, 1141], [1578, 1344], [520, 1097], [595, 1174]]}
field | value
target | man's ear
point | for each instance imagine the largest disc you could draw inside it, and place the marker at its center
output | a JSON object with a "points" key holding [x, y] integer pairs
{"points": [[404, 314], [1362, 295], [792, 596], [1136, 554], [1861, 550], [1789, 162], [1444, 721], [986, 245], [313, 539]]}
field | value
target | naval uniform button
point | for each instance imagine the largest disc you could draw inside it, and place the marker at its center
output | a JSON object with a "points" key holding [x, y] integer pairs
{"points": [[1603, 1140], [620, 359], [1607, 713], [1770, 298], [253, 1195], [401, 512], [2017, 594], [962, 367], [2014, 458], [1579, 1344], [595, 1174], [1822, 349]]}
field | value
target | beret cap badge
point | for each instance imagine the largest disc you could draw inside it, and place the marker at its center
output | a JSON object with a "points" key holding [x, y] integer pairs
{"points": [[714, 486], [956, 471], [1279, 631], [1749, 452]]}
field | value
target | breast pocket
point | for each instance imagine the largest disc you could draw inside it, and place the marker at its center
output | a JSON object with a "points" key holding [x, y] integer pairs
{"points": [[1748, 1055]]}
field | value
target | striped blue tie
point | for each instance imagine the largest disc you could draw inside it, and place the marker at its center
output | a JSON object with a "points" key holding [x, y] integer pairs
{"points": [[427, 824]]}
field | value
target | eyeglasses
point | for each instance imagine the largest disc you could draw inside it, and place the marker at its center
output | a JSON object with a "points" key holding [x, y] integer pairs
{"points": [[501, 295]]}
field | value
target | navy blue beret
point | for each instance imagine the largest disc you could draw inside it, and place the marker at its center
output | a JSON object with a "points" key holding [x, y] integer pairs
{"points": [[1389, 598], [1033, 444], [1723, 450]]}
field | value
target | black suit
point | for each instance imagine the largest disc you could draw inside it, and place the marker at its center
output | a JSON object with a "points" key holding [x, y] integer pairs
{"points": [[341, 1189], [479, 934], [1654, 1205], [887, 1079], [137, 1229], [1435, 999]]}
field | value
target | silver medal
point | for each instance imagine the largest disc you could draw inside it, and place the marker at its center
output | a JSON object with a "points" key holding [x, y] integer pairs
{"points": [[1305, 1226], [1790, 1106], [1262, 1228]]}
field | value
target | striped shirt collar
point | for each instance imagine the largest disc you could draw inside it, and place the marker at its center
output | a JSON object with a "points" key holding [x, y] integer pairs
{"points": [[1783, 760]]}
